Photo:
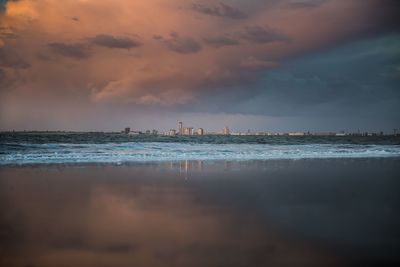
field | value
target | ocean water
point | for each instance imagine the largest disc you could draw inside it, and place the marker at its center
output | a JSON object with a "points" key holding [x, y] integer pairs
{"points": [[50, 148], [198, 201]]}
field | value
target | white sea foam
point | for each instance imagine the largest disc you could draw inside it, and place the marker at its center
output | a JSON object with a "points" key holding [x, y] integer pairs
{"points": [[157, 151]]}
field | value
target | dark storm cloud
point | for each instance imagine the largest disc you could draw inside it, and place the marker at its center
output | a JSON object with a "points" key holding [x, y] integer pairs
{"points": [[253, 34], [258, 34], [180, 44], [220, 10], [295, 4], [74, 50], [219, 41], [115, 42], [9, 58], [359, 79], [389, 16]]}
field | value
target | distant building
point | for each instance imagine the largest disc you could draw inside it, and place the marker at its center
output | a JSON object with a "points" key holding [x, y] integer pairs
{"points": [[127, 130], [200, 131], [188, 131], [180, 128], [154, 132], [172, 132], [226, 131]]}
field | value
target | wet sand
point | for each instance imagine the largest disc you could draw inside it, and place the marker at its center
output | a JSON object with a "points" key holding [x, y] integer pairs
{"points": [[255, 213]]}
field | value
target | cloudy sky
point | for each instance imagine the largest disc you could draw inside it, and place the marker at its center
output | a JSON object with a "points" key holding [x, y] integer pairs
{"points": [[277, 65]]}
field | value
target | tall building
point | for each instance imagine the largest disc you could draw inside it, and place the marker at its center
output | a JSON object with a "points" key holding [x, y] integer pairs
{"points": [[180, 128], [226, 131], [127, 130]]}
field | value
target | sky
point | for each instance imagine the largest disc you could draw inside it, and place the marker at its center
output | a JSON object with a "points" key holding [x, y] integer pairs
{"points": [[287, 65]]}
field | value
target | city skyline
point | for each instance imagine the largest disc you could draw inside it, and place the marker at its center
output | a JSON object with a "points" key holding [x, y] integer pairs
{"points": [[183, 129], [187, 130]]}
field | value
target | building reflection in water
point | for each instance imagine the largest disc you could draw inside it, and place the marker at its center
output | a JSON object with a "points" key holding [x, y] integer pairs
{"points": [[184, 167]]}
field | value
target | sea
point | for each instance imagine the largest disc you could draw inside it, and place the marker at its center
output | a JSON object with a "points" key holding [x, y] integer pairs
{"points": [[56, 148], [110, 199]]}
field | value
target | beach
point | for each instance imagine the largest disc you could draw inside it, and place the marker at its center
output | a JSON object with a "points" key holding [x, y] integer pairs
{"points": [[307, 212]]}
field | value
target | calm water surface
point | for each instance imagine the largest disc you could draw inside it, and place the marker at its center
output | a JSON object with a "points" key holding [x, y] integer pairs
{"points": [[315, 212]]}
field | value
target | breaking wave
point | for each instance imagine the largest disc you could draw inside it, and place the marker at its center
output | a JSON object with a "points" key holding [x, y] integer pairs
{"points": [[25, 153]]}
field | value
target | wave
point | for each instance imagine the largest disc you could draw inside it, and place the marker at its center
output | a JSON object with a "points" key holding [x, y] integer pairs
{"points": [[11, 154]]}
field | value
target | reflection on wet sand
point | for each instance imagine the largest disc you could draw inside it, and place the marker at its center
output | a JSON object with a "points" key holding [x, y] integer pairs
{"points": [[186, 166], [144, 216]]}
